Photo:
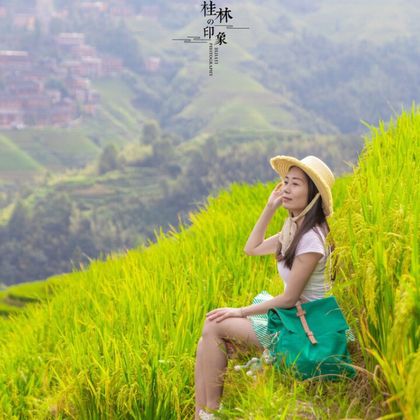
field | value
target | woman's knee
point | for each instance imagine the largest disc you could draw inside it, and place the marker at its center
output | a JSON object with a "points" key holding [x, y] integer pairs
{"points": [[219, 330], [210, 328]]}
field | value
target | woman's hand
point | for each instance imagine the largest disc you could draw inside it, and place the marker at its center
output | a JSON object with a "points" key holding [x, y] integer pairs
{"points": [[275, 199], [220, 314]]}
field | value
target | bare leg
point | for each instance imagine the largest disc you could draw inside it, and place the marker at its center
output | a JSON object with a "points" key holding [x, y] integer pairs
{"points": [[213, 356], [200, 389]]}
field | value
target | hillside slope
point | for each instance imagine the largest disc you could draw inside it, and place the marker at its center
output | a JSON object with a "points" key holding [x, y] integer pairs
{"points": [[118, 339], [117, 121], [12, 159]]}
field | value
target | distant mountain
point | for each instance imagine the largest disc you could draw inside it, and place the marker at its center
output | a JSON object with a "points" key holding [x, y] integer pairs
{"points": [[318, 67]]}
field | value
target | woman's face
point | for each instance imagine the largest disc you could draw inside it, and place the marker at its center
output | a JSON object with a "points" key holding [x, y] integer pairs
{"points": [[295, 191]]}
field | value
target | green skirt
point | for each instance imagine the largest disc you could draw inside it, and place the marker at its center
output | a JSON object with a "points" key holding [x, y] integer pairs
{"points": [[259, 322]]}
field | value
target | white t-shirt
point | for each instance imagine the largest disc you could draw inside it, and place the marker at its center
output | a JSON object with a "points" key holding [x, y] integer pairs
{"points": [[316, 287]]}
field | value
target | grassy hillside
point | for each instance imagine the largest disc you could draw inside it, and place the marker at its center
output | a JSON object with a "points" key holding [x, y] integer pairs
{"points": [[54, 147], [110, 365], [12, 159], [118, 339], [240, 101], [117, 121], [14, 299]]}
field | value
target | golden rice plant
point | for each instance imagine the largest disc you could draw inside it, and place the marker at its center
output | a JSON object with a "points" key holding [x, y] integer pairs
{"points": [[376, 229]]}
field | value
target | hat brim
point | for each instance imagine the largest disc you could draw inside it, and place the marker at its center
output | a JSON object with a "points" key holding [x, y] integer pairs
{"points": [[282, 164]]}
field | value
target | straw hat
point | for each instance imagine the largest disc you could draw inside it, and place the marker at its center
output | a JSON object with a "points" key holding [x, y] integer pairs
{"points": [[316, 169]]}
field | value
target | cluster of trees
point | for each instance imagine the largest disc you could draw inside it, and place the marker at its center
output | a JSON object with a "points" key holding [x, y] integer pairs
{"points": [[163, 152], [56, 236], [44, 240]]}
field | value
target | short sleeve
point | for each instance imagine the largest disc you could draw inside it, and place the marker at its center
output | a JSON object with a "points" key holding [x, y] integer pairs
{"points": [[310, 242]]}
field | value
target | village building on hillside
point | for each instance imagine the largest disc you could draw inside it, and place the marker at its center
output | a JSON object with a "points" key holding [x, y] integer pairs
{"points": [[70, 39], [56, 89], [24, 21], [11, 112], [111, 66], [93, 9], [52, 91], [152, 64], [14, 60]]}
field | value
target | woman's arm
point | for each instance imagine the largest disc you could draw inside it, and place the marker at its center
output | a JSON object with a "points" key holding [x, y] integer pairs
{"points": [[256, 245], [303, 267]]}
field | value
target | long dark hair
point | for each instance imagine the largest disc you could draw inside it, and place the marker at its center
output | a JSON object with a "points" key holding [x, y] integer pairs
{"points": [[315, 216]]}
